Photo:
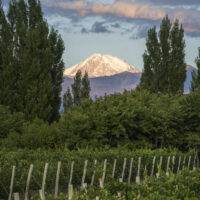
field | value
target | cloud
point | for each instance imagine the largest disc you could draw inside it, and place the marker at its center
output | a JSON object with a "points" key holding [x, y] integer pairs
{"points": [[172, 2], [126, 10], [84, 30], [140, 31], [116, 25], [99, 27]]}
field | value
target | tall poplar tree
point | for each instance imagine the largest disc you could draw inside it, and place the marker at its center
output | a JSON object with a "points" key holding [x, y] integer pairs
{"points": [[196, 76], [164, 60], [164, 37], [177, 69], [152, 63], [30, 61], [57, 50]]}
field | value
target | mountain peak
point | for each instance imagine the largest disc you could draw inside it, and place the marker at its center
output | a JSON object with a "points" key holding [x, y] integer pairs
{"points": [[98, 65]]}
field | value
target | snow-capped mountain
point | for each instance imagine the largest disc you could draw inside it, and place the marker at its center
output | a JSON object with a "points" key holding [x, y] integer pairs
{"points": [[109, 74], [99, 65]]}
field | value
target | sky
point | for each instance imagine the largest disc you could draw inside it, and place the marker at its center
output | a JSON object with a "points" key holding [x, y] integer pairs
{"points": [[118, 27]]}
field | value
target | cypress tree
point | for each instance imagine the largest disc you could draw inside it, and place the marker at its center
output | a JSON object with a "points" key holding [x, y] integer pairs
{"points": [[67, 100], [196, 76], [85, 89], [76, 88]]}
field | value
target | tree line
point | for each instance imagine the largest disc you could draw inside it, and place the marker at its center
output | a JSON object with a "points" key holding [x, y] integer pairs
{"points": [[31, 74], [134, 119]]}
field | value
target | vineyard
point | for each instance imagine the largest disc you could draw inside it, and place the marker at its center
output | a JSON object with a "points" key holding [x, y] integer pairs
{"points": [[24, 173]]}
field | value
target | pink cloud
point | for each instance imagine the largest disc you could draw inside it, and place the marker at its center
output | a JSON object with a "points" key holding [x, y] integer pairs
{"points": [[127, 9]]}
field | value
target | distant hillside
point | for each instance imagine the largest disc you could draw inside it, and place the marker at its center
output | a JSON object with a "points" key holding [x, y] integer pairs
{"points": [[108, 84]]}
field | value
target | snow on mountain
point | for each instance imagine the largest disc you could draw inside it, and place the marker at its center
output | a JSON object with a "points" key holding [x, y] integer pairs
{"points": [[99, 65]]}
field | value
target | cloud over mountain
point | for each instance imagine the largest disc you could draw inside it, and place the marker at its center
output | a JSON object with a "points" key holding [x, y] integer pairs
{"points": [[127, 9]]}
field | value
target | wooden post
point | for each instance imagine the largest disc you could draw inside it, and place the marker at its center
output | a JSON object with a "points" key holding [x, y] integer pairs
{"points": [[173, 163], [11, 183], [70, 191], [84, 173], [123, 170], [104, 171], [42, 196], [145, 170], [92, 179], [130, 171], [57, 179], [168, 162], [16, 196], [71, 173], [153, 165], [184, 163], [28, 182], [160, 165], [101, 183], [179, 163], [44, 177], [189, 160], [138, 172], [114, 167], [194, 163]]}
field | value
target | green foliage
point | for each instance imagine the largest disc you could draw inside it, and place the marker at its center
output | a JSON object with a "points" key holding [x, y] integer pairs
{"points": [[23, 158], [164, 64], [185, 186], [191, 114], [135, 119], [10, 123], [37, 134]]}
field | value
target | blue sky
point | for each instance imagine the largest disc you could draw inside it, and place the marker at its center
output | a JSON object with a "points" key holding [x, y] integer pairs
{"points": [[118, 27]]}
